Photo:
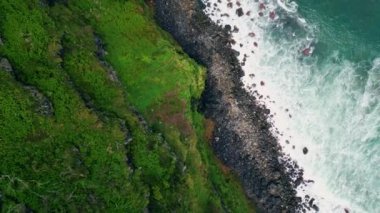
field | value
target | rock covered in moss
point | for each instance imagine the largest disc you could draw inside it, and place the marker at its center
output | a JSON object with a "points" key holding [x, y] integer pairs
{"points": [[5, 65]]}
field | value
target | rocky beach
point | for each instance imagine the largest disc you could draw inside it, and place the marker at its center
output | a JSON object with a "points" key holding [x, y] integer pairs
{"points": [[242, 139]]}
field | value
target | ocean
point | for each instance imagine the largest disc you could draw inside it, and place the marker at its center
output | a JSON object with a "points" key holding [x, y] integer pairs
{"points": [[316, 66]]}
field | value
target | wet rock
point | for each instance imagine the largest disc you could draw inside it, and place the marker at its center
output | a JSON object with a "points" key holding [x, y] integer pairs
{"points": [[252, 34], [228, 27], [315, 207], [306, 51], [267, 111], [305, 150], [5, 65], [239, 12], [272, 15], [262, 6], [311, 202], [236, 53], [236, 29]]}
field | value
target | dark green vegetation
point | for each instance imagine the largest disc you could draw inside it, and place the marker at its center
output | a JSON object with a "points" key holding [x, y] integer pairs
{"points": [[123, 138]]}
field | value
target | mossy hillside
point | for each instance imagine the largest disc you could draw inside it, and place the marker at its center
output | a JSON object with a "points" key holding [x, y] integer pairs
{"points": [[77, 158]]}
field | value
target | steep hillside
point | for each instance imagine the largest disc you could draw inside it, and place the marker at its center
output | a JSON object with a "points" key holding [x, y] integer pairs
{"points": [[98, 112]]}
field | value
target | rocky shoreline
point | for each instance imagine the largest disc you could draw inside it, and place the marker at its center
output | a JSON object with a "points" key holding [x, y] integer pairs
{"points": [[242, 137]]}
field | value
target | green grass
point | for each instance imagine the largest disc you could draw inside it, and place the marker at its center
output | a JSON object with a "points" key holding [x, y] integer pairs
{"points": [[76, 160]]}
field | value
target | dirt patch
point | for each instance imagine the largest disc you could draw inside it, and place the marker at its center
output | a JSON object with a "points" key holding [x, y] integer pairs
{"points": [[209, 130], [172, 111]]}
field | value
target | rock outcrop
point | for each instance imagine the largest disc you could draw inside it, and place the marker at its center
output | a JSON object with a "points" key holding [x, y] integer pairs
{"points": [[5, 65], [242, 139]]}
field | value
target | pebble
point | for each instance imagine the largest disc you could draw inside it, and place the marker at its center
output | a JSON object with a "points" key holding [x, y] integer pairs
{"points": [[236, 30], [267, 111], [272, 15], [262, 6], [307, 51]]}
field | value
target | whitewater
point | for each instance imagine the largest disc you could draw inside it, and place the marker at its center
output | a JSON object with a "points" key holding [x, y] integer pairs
{"points": [[324, 107]]}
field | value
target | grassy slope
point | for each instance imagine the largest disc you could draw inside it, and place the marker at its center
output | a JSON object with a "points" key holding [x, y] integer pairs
{"points": [[77, 159]]}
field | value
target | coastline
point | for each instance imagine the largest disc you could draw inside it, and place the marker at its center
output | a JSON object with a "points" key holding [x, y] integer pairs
{"points": [[242, 139]]}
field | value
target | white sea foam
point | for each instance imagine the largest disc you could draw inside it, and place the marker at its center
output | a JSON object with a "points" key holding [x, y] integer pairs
{"points": [[328, 107]]}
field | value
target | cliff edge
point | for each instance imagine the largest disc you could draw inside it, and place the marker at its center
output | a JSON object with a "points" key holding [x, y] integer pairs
{"points": [[242, 139]]}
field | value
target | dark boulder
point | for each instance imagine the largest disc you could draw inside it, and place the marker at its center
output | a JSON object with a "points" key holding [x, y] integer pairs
{"points": [[239, 12], [305, 150]]}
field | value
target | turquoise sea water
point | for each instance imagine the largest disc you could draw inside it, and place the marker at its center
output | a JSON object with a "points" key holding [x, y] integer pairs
{"points": [[316, 66], [351, 26]]}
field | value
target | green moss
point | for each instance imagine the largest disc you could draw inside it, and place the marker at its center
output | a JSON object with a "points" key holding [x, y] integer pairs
{"points": [[76, 159]]}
